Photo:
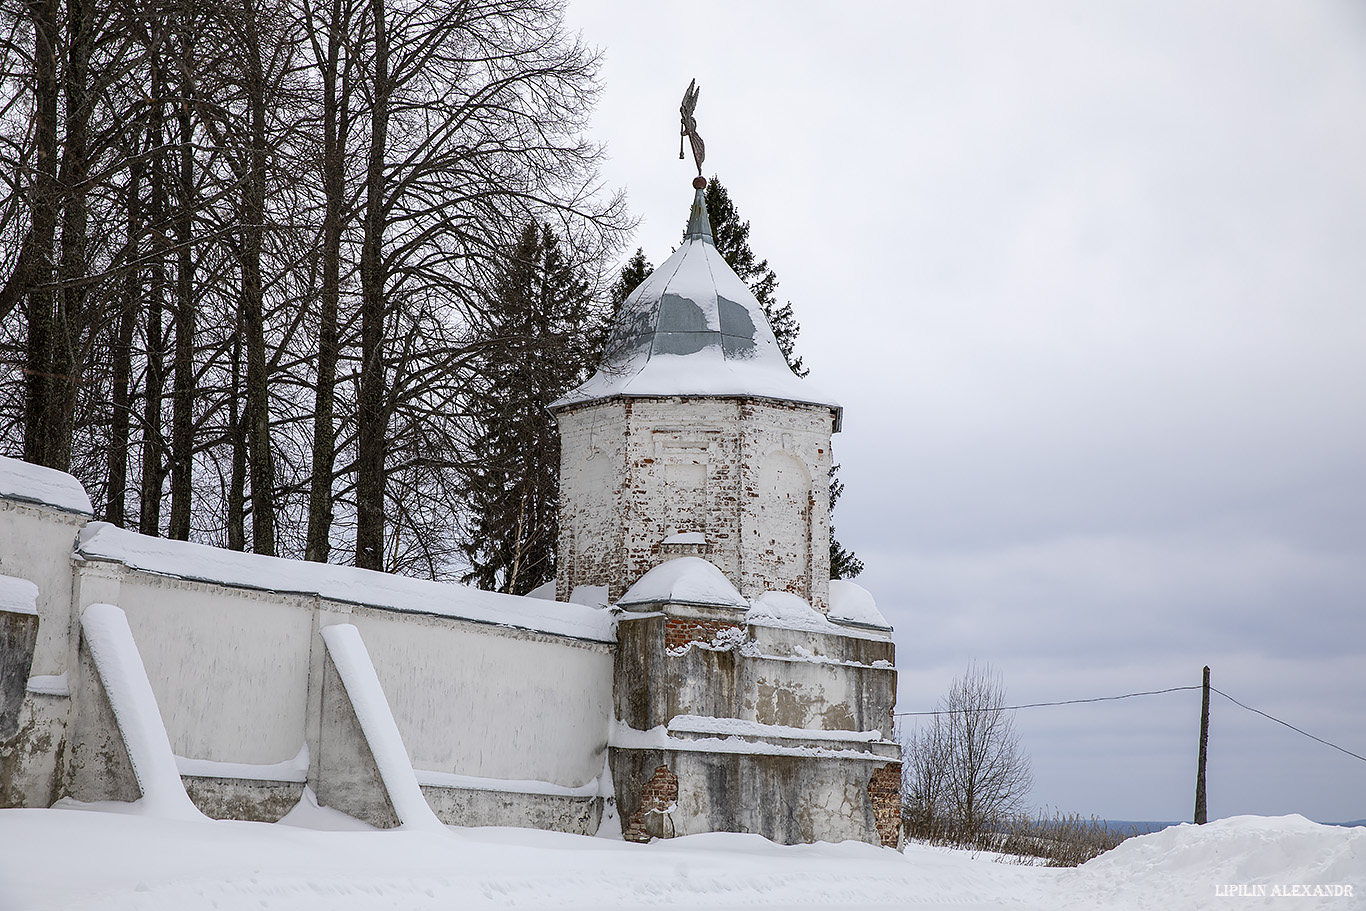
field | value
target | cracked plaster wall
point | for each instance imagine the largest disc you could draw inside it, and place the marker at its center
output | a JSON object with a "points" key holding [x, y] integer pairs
{"points": [[751, 475]]}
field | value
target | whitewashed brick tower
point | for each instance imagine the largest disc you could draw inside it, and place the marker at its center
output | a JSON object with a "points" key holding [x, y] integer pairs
{"points": [[733, 710], [695, 437]]}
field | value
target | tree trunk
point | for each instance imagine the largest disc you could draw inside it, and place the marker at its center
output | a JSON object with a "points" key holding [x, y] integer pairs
{"points": [[372, 433], [121, 360], [335, 124], [41, 300], [70, 320], [237, 473], [153, 446], [253, 306], [182, 400]]}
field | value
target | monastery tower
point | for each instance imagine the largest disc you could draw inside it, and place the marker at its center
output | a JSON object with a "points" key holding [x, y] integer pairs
{"points": [[695, 437], [694, 488]]}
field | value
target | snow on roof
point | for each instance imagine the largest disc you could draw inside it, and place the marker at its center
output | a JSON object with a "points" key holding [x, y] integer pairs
{"points": [[694, 328], [18, 596], [852, 603], [684, 580], [102, 541], [20, 480], [788, 611]]}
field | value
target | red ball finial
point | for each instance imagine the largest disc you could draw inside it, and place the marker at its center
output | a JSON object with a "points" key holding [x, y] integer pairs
{"points": [[699, 182]]}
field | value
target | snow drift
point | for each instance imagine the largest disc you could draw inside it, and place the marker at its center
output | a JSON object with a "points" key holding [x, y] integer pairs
{"points": [[101, 861]]}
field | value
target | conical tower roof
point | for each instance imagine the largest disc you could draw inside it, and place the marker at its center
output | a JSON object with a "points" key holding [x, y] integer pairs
{"points": [[694, 328]]}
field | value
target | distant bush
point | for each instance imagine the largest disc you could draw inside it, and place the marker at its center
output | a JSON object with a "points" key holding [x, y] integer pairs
{"points": [[1060, 840]]}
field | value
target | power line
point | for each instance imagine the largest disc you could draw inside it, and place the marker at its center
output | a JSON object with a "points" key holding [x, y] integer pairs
{"points": [[1173, 689], [1288, 724], [1035, 705]]}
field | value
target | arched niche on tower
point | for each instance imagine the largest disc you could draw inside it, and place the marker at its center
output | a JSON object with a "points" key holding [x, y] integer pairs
{"points": [[780, 544]]}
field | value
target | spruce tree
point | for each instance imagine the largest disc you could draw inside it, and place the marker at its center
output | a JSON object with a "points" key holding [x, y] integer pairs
{"points": [[731, 234], [541, 339], [843, 563], [732, 242], [636, 270]]}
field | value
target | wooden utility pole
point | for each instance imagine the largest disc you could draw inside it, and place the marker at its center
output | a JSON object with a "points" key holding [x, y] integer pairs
{"points": [[1201, 817]]}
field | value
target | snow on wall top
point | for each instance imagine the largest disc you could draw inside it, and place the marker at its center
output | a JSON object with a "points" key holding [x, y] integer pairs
{"points": [[21, 480], [694, 328], [684, 580], [787, 611], [199, 562], [18, 596], [852, 603], [706, 724]]}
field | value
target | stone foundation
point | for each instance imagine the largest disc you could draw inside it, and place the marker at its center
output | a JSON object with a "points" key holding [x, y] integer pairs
{"points": [[787, 799], [242, 798], [729, 726], [554, 812]]}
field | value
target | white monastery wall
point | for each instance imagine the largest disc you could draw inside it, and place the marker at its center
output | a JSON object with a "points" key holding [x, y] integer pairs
{"points": [[35, 544], [489, 702], [236, 670], [229, 666]]}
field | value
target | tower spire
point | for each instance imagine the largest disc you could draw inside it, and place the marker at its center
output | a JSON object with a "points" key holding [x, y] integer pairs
{"points": [[699, 224]]}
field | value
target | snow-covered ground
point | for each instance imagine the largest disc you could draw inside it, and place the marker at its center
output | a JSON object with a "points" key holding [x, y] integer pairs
{"points": [[114, 857]]}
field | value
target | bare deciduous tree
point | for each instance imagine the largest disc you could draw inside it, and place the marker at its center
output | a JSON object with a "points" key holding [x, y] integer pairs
{"points": [[965, 769], [246, 248]]}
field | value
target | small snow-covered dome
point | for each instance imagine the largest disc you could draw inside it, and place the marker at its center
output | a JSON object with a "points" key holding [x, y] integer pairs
{"points": [[694, 328], [786, 611], [683, 580]]}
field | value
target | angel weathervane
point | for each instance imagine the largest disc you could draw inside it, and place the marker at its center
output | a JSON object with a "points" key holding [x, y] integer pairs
{"points": [[688, 127]]}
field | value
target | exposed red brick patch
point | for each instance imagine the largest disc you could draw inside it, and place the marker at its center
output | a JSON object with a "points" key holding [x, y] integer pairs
{"points": [[884, 791], [680, 632], [657, 799]]}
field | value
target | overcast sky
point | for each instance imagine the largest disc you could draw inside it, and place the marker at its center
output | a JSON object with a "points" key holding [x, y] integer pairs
{"points": [[1090, 282]]}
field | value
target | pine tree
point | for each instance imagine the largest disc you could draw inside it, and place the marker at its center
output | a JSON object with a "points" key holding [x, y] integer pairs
{"points": [[540, 341], [732, 242]]}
